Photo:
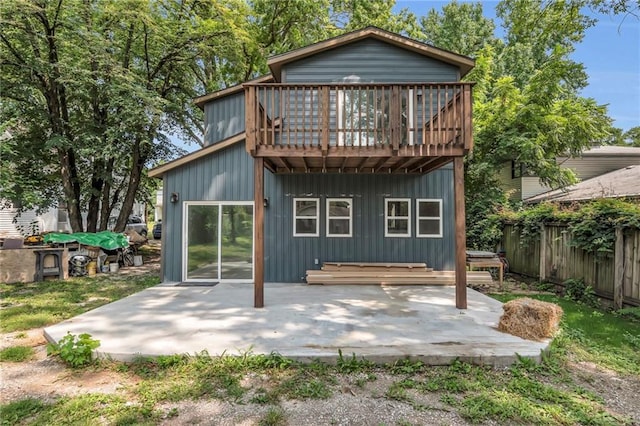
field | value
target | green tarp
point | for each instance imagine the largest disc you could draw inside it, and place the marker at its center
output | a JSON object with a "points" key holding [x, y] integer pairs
{"points": [[106, 239]]}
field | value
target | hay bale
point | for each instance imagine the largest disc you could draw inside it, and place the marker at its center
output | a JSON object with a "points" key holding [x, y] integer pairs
{"points": [[530, 319]]}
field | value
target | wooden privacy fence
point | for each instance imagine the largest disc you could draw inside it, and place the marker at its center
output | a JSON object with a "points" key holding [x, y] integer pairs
{"points": [[554, 259]]}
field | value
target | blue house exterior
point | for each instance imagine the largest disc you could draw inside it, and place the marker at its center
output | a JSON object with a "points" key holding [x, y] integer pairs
{"points": [[362, 137]]}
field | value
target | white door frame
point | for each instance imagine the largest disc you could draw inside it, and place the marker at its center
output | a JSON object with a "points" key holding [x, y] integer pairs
{"points": [[185, 235]]}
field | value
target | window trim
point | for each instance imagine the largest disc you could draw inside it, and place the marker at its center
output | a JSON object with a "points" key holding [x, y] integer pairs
{"points": [[418, 217], [387, 217], [316, 217], [329, 217]]}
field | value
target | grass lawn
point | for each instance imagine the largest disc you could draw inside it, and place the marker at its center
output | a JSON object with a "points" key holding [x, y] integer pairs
{"points": [[525, 393], [593, 335], [34, 305]]}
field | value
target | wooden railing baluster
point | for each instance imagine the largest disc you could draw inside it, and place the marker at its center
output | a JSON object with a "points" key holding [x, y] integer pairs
{"points": [[409, 119]]}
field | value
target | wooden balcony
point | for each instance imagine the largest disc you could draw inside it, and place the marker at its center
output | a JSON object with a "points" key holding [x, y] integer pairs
{"points": [[358, 128]]}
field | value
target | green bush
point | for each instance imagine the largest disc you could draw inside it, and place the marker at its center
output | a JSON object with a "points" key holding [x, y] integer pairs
{"points": [[592, 225], [74, 350], [631, 314], [578, 291]]}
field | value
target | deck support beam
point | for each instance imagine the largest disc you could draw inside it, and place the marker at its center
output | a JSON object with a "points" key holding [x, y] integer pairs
{"points": [[460, 233], [258, 243]]}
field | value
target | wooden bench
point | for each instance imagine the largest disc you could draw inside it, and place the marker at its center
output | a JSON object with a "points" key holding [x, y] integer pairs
{"points": [[487, 263]]}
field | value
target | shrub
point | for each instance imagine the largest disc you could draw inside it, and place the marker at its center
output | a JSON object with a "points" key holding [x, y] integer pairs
{"points": [[578, 291], [74, 350]]}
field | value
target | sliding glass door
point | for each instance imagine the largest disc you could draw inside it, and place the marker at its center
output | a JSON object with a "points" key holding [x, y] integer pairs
{"points": [[236, 251], [218, 241]]}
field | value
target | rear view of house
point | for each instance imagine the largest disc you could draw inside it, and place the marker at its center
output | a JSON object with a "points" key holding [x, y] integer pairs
{"points": [[362, 137]]}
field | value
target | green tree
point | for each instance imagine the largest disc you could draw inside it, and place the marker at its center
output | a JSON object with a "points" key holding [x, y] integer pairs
{"points": [[460, 28], [91, 89], [527, 105], [350, 15], [632, 136]]}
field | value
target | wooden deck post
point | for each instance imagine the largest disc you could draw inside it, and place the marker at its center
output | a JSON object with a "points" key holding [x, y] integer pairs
{"points": [[258, 241], [250, 121], [460, 231], [325, 115]]}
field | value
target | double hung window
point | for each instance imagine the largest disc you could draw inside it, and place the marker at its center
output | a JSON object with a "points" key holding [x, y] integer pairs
{"points": [[306, 215], [428, 218], [339, 217], [397, 217]]}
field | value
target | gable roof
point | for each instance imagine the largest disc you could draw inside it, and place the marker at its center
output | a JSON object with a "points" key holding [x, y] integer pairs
{"points": [[463, 62], [276, 62], [617, 184]]}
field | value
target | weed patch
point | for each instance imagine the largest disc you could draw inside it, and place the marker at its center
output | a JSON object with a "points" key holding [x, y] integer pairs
{"points": [[20, 411], [16, 353], [76, 351], [352, 364], [274, 417]]}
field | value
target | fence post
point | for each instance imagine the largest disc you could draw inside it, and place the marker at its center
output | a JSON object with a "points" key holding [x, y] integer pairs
{"points": [[543, 253], [618, 278]]}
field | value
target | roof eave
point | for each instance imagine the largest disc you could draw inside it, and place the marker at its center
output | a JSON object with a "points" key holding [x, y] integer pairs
{"points": [[159, 171], [200, 101]]}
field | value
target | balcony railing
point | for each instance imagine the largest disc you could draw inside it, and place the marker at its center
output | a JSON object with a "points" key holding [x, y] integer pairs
{"points": [[332, 119]]}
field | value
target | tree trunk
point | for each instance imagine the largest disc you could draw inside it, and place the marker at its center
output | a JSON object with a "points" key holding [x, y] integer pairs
{"points": [[138, 160], [106, 205], [71, 188], [93, 207]]}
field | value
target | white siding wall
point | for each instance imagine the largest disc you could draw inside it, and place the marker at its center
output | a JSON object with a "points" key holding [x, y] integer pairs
{"points": [[512, 186], [45, 222], [158, 206], [588, 167], [584, 168], [531, 186]]}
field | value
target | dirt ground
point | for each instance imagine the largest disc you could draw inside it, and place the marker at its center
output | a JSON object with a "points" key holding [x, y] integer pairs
{"points": [[47, 379]]}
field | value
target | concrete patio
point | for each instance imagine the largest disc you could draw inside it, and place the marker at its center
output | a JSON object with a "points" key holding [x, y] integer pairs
{"points": [[303, 322]]}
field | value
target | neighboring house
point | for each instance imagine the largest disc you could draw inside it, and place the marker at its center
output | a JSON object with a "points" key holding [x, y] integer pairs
{"points": [[362, 136], [14, 223], [157, 208], [622, 183], [592, 162]]}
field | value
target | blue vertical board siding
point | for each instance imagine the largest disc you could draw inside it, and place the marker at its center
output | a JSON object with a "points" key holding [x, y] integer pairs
{"points": [[228, 176], [224, 176], [288, 257], [224, 118], [368, 61]]}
